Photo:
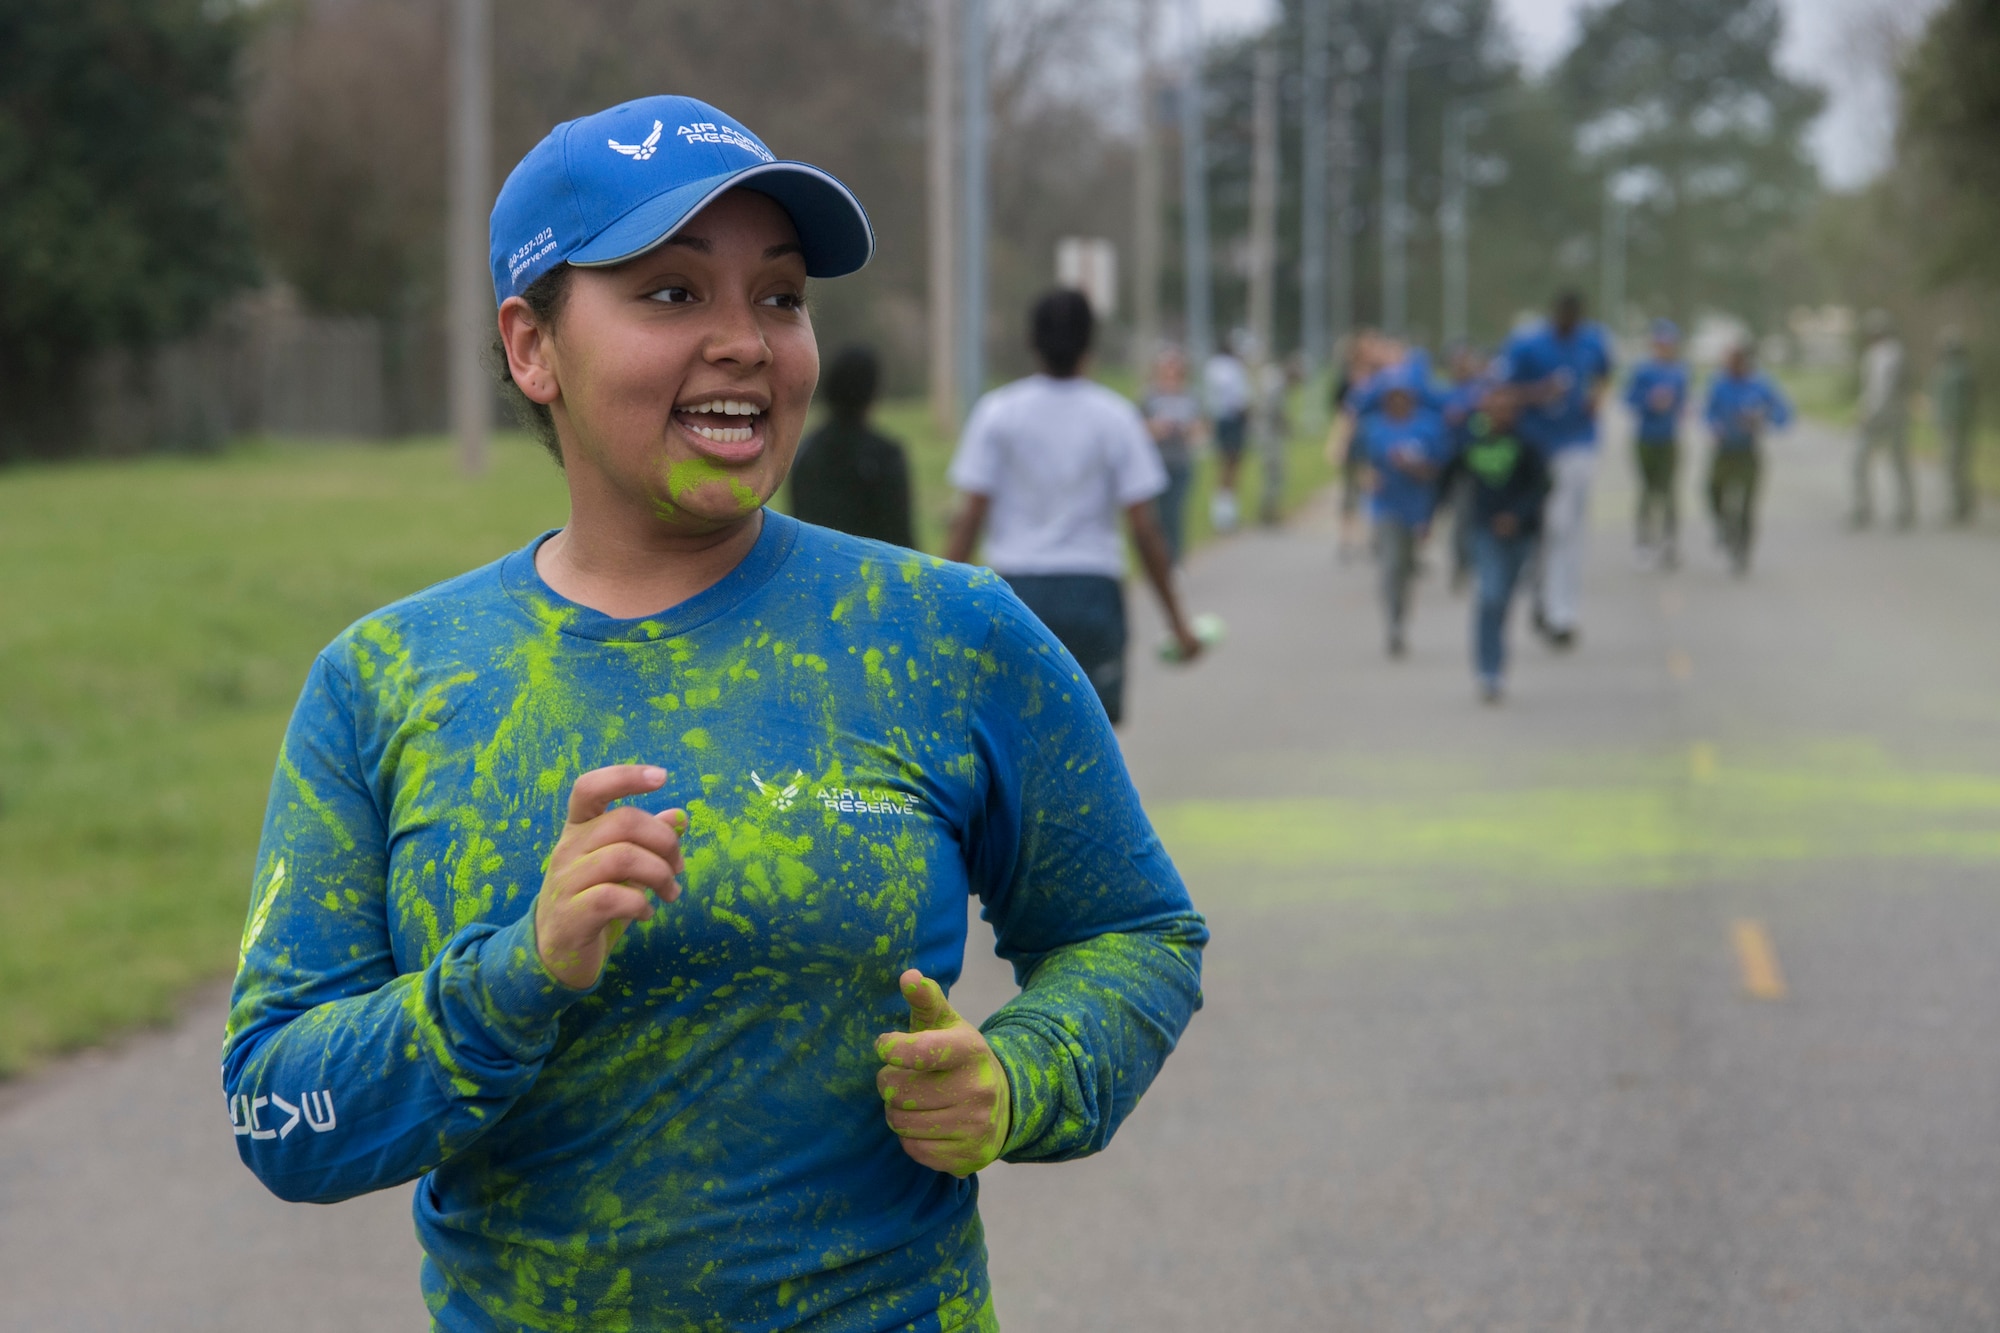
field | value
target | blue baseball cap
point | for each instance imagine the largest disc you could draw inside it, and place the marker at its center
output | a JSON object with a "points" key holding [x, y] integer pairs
{"points": [[1666, 331], [608, 187]]}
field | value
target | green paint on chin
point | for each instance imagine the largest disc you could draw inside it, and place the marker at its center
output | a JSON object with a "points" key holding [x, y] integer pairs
{"points": [[688, 474]]}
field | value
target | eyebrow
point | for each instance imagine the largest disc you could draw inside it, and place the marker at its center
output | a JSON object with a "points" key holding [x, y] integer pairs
{"points": [[700, 245]]}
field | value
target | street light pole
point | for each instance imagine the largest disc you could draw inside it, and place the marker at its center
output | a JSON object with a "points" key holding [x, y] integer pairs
{"points": [[1263, 263], [1194, 194], [1395, 181], [942, 153], [1146, 202], [1313, 195], [469, 282], [972, 254], [1345, 160], [1453, 223]]}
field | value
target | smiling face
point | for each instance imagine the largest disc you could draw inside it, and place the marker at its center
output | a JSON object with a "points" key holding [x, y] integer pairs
{"points": [[679, 380]]}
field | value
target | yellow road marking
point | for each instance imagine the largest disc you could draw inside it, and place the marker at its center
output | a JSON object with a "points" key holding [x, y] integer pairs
{"points": [[1679, 665], [1761, 978], [1702, 761]]}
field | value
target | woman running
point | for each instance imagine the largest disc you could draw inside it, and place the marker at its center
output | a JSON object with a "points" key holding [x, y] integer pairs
{"points": [[612, 891]]}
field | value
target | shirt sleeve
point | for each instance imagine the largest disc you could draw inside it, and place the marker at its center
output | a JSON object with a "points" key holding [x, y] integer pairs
{"points": [[1083, 900], [342, 1074], [1137, 472], [975, 468]]}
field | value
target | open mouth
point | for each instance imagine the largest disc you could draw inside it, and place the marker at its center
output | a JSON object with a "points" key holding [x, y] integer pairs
{"points": [[722, 421]]}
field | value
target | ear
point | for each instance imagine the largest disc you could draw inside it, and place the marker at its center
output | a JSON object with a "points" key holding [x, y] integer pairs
{"points": [[531, 353]]}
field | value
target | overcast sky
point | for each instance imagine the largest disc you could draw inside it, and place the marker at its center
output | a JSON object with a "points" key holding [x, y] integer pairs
{"points": [[1850, 140]]}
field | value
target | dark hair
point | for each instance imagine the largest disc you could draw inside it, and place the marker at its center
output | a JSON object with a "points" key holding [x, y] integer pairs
{"points": [[1059, 330], [545, 297], [1569, 302], [850, 382]]}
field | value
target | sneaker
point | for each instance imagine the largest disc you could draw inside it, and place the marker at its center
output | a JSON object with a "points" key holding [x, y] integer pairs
{"points": [[1222, 514], [1670, 558], [1489, 690], [1563, 639], [1397, 647]]}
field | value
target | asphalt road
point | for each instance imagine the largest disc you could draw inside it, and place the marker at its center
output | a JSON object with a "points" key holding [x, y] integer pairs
{"points": [[1660, 997]]}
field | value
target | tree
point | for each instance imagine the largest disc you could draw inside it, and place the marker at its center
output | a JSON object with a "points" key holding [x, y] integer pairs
{"points": [[1681, 103], [1951, 122], [346, 155], [118, 212], [1531, 212]]}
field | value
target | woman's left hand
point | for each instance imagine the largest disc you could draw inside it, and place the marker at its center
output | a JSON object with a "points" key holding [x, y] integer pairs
{"points": [[945, 1094]]}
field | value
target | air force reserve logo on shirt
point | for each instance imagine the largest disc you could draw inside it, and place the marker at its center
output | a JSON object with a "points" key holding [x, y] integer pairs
{"points": [[781, 795]]}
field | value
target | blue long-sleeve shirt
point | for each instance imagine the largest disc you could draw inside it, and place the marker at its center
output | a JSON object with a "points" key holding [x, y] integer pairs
{"points": [[1408, 455], [862, 737], [1657, 394], [1740, 407]]}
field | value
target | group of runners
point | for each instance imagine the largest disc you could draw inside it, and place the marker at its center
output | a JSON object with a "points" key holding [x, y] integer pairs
{"points": [[1507, 448]]}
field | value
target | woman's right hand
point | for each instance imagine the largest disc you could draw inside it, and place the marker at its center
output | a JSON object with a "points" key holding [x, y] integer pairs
{"points": [[605, 871]]}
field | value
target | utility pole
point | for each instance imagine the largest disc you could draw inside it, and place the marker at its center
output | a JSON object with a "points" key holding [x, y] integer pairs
{"points": [[1263, 265], [1194, 196], [1453, 222], [972, 257], [942, 154], [1612, 291], [1396, 181], [1345, 160], [469, 282], [1312, 198], [1146, 202]]}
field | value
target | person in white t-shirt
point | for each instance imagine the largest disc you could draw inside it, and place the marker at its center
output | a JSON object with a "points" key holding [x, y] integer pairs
{"points": [[1045, 467]]}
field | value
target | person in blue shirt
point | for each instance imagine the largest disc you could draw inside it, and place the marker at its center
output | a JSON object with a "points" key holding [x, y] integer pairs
{"points": [[1742, 405], [1562, 367], [1657, 394], [1506, 484], [611, 892], [1406, 446]]}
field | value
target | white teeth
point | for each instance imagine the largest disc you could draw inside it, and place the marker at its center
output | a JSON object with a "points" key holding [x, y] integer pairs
{"points": [[725, 434], [728, 407]]}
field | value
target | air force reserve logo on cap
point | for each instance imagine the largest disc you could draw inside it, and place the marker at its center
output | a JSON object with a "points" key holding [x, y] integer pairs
{"points": [[609, 187]]}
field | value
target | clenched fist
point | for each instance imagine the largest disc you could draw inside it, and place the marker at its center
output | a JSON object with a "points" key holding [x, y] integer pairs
{"points": [[945, 1094], [607, 868]]}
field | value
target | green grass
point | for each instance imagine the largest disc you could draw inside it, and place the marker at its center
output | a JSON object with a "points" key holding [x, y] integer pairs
{"points": [[159, 619]]}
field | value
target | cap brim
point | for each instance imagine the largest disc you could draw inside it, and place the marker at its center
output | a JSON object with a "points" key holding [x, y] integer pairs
{"points": [[833, 227]]}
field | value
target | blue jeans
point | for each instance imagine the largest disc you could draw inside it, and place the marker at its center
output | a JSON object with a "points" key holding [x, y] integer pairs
{"points": [[1498, 561], [1172, 505], [1086, 613]]}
